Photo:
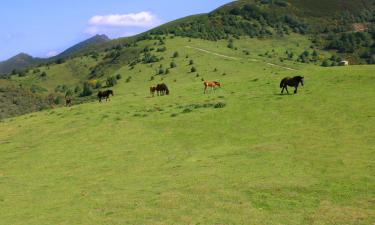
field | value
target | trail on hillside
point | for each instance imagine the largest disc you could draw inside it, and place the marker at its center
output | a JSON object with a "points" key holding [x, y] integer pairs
{"points": [[234, 58]]}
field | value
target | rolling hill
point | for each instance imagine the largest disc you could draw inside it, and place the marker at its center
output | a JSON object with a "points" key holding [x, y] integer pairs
{"points": [[18, 62], [242, 154]]}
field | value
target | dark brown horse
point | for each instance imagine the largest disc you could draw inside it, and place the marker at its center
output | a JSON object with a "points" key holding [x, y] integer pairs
{"points": [[292, 82], [68, 101], [105, 94], [212, 84], [161, 90]]}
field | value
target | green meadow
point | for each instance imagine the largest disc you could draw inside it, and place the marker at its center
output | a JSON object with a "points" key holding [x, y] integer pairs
{"points": [[243, 154]]}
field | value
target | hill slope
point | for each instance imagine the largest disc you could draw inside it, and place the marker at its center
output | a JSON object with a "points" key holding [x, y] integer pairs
{"points": [[82, 46], [241, 154], [18, 62]]}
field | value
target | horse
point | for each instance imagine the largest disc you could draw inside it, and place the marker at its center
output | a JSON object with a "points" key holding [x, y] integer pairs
{"points": [[152, 91], [104, 94], [68, 101], [292, 82], [211, 84], [162, 89]]}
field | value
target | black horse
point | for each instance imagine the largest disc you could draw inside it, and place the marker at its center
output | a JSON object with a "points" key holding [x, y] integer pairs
{"points": [[292, 82], [104, 94], [162, 89]]}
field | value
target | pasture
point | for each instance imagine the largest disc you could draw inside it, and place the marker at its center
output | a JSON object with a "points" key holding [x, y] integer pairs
{"points": [[243, 154]]}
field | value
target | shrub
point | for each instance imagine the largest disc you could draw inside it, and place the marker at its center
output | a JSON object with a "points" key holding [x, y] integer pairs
{"points": [[162, 49], [118, 76], [87, 90], [173, 65], [77, 89], [161, 71], [175, 54], [326, 63], [219, 105], [193, 69], [111, 81], [191, 62]]}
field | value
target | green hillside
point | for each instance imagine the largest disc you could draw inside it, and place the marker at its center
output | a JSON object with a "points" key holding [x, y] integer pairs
{"points": [[20, 61], [241, 155]]}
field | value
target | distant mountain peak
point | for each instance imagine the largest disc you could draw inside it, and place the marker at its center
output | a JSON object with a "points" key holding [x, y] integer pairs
{"points": [[93, 41]]}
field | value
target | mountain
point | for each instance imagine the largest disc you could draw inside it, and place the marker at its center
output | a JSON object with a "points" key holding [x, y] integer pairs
{"points": [[18, 62], [23, 60], [84, 45]]}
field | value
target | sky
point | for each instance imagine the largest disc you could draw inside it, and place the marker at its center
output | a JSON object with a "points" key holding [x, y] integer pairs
{"points": [[44, 28]]}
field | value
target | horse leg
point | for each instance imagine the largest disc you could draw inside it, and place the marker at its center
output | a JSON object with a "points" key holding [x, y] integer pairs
{"points": [[286, 88], [295, 91]]}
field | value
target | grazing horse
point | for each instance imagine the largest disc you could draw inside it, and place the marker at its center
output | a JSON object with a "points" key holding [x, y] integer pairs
{"points": [[105, 94], [68, 101], [292, 82], [211, 84], [162, 89]]}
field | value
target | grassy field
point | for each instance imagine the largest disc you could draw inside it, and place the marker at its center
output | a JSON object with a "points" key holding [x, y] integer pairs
{"points": [[242, 155]]}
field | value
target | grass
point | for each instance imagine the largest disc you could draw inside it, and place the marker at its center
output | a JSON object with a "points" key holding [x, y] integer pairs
{"points": [[263, 158]]}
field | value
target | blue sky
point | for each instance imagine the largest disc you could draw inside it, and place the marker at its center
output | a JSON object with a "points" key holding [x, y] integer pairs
{"points": [[41, 27]]}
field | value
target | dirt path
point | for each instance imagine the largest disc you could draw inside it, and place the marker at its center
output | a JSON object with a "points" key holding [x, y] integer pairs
{"points": [[234, 58]]}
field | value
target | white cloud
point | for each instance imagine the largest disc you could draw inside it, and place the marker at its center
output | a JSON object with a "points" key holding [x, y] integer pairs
{"points": [[141, 19], [52, 53]]}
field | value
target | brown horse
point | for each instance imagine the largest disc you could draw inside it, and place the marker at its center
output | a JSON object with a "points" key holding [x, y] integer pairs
{"points": [[68, 101], [212, 84], [292, 82], [161, 90], [105, 94]]}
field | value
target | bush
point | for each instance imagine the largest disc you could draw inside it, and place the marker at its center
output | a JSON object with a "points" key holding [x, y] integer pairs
{"points": [[111, 81], [191, 62], [77, 89], [173, 65], [219, 105], [326, 63], [87, 90], [175, 54], [162, 49], [118, 76], [193, 69], [44, 74]]}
